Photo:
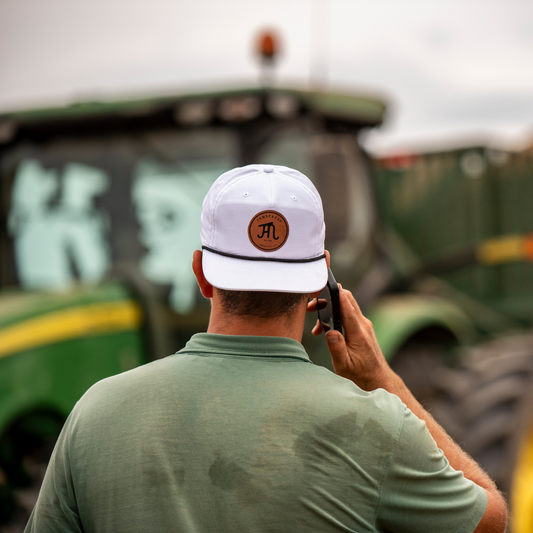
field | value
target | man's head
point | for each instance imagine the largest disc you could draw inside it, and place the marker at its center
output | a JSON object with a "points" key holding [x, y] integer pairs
{"points": [[262, 233]]}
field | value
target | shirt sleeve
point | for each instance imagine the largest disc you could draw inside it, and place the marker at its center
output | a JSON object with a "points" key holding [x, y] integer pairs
{"points": [[56, 508], [421, 492]]}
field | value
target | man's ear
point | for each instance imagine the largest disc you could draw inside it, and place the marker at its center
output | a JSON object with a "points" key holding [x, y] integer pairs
{"points": [[205, 287]]}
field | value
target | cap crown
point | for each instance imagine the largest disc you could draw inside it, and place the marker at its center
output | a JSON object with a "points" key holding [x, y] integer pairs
{"points": [[264, 211]]}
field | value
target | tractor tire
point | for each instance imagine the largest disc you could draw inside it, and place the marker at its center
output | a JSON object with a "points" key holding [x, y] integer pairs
{"points": [[416, 364], [26, 448], [485, 403]]}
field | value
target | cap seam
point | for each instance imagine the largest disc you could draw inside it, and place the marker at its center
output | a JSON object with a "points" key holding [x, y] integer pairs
{"points": [[219, 195], [264, 258], [318, 205]]}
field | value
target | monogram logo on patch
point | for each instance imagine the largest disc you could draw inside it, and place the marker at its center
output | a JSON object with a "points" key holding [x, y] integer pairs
{"points": [[268, 231]]}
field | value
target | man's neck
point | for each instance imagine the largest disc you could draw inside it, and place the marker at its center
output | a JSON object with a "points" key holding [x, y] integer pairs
{"points": [[290, 326]]}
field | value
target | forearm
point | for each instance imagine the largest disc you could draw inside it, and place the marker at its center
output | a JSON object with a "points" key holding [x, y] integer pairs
{"points": [[495, 518], [457, 458], [358, 357]]}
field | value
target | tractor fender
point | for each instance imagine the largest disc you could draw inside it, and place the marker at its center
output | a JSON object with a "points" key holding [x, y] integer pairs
{"points": [[54, 346], [397, 318]]}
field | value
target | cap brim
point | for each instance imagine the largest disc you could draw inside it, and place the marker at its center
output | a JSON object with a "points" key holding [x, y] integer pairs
{"points": [[242, 275]]}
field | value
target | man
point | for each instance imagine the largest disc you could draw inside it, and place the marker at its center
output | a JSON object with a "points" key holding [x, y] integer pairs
{"points": [[239, 431]]}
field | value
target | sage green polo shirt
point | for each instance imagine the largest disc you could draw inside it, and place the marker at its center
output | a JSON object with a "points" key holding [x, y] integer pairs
{"points": [[245, 434]]}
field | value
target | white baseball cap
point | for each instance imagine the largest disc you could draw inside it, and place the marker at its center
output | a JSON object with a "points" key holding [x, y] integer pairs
{"points": [[262, 229]]}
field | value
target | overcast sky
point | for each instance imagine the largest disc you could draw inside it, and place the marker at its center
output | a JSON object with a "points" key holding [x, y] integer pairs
{"points": [[448, 68]]}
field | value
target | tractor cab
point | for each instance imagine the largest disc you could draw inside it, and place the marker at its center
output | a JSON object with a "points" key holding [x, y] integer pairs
{"points": [[99, 217], [97, 189]]}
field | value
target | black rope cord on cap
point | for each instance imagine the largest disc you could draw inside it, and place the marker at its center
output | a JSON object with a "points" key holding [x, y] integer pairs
{"points": [[273, 259]]}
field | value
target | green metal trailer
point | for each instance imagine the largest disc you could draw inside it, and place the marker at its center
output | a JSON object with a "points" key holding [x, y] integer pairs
{"points": [[465, 218], [99, 216]]}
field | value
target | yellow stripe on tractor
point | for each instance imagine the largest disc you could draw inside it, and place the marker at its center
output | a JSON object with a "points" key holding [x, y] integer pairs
{"points": [[94, 319], [505, 250]]}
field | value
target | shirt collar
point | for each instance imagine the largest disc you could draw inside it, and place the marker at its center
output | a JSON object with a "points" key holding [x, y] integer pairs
{"points": [[244, 345]]}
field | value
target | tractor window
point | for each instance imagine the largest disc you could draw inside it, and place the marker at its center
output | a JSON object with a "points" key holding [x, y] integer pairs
{"points": [[78, 207]]}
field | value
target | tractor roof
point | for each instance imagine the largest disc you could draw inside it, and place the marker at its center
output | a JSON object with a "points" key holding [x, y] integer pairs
{"points": [[351, 108]]}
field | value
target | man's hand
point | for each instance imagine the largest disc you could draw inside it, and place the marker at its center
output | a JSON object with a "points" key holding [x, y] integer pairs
{"points": [[357, 356]]}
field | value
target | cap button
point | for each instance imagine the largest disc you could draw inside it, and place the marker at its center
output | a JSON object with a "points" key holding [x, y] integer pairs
{"points": [[268, 169]]}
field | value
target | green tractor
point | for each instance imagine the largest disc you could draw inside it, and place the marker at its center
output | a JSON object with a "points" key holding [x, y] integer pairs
{"points": [[464, 216], [100, 214]]}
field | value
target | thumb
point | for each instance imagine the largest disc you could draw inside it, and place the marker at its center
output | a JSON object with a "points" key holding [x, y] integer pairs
{"points": [[337, 349]]}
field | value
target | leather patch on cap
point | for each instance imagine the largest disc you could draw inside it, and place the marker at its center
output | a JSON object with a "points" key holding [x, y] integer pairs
{"points": [[268, 231]]}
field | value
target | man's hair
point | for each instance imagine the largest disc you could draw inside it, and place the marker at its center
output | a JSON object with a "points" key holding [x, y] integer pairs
{"points": [[259, 305]]}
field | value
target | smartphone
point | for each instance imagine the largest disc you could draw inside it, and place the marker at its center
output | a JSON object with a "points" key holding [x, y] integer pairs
{"points": [[329, 312]]}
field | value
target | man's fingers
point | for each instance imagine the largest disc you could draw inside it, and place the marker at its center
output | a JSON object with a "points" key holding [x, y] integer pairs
{"points": [[350, 320], [312, 305], [337, 349], [322, 303], [317, 330], [354, 303]]}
